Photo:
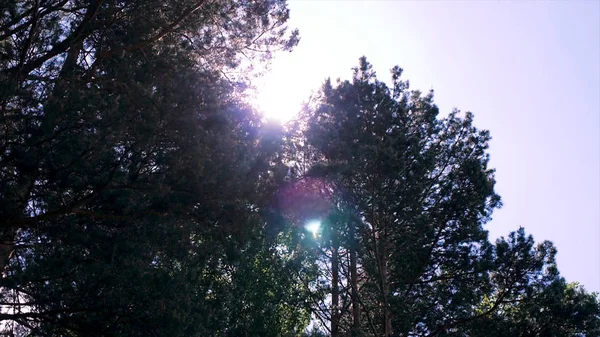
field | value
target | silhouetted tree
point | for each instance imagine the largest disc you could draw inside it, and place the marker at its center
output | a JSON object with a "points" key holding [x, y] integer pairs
{"points": [[131, 172], [417, 190]]}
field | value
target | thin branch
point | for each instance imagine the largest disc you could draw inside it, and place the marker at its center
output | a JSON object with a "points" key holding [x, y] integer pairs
{"points": [[157, 37], [80, 33]]}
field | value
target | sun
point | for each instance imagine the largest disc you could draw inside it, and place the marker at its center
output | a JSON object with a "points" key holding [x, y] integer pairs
{"points": [[314, 227], [275, 103], [279, 98]]}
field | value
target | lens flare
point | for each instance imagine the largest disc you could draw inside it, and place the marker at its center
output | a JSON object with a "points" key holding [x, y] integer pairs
{"points": [[313, 227]]}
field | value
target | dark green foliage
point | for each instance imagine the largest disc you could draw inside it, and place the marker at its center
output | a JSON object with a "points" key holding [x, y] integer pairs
{"points": [[540, 303], [131, 171], [416, 190], [422, 188], [141, 196]]}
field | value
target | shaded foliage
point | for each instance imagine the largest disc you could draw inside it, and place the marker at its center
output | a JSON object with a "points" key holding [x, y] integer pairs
{"points": [[131, 170], [415, 190], [140, 195]]}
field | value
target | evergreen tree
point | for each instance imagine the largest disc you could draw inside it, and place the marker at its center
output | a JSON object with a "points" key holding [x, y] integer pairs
{"points": [[140, 195], [131, 172], [417, 190]]}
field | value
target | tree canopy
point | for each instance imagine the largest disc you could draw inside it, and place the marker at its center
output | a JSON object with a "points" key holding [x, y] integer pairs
{"points": [[142, 195], [406, 253]]}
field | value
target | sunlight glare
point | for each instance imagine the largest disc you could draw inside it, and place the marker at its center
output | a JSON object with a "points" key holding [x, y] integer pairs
{"points": [[313, 227], [282, 90], [274, 102]]}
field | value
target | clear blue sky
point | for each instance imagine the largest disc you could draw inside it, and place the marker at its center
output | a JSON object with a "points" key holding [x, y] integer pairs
{"points": [[529, 70]]}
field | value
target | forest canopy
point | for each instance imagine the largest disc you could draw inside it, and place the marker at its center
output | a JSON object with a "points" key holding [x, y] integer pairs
{"points": [[142, 195]]}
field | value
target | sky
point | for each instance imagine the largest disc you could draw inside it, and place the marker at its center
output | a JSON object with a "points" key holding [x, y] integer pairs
{"points": [[528, 70]]}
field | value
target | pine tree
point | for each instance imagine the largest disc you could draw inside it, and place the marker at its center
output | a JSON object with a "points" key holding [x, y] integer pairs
{"points": [[416, 190], [132, 172]]}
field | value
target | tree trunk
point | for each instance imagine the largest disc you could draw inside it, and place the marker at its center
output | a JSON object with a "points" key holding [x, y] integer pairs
{"points": [[335, 293], [354, 282], [387, 318], [8, 229], [7, 243]]}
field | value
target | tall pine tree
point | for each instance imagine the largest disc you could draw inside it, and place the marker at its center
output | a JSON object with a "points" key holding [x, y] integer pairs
{"points": [[416, 191], [131, 171]]}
